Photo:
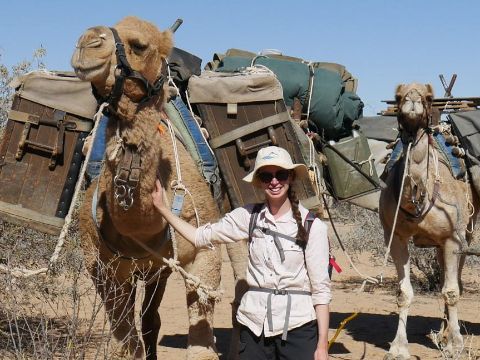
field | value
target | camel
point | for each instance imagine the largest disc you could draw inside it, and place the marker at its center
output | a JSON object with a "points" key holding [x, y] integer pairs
{"points": [[435, 209], [123, 237]]}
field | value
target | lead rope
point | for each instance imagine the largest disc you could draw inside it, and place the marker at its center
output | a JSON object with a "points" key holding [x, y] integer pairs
{"points": [[178, 184], [26, 273], [387, 252], [205, 293], [365, 278]]}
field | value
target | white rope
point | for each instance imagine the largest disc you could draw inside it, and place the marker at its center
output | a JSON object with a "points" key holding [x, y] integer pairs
{"points": [[170, 80], [178, 183], [312, 164], [310, 92], [118, 144], [370, 163], [205, 293], [175, 150], [366, 278], [387, 253], [23, 272]]}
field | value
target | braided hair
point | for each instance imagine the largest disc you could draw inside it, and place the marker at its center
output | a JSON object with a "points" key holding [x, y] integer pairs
{"points": [[302, 236]]}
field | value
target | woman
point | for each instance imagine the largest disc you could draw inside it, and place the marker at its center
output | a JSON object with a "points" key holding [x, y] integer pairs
{"points": [[285, 313]]}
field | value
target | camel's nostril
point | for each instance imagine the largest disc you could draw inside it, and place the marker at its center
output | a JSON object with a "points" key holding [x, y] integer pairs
{"points": [[93, 43]]}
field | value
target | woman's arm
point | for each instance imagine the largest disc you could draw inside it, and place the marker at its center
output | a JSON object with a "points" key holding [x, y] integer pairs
{"points": [[316, 259], [323, 318], [186, 229]]}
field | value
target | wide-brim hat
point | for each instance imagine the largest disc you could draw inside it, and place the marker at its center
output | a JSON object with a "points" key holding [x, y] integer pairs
{"points": [[276, 156]]}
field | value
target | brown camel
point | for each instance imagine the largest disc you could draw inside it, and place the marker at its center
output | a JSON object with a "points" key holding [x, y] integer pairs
{"points": [[126, 239], [435, 209]]}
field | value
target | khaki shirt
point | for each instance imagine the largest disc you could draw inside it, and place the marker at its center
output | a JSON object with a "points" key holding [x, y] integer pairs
{"points": [[266, 270]]}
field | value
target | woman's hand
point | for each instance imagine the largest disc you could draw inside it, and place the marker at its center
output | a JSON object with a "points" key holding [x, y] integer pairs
{"points": [[158, 196], [321, 353]]}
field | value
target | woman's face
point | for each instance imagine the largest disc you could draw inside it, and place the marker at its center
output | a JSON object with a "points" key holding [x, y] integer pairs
{"points": [[275, 181]]}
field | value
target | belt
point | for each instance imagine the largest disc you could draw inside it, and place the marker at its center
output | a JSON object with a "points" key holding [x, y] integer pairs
{"points": [[269, 304]]}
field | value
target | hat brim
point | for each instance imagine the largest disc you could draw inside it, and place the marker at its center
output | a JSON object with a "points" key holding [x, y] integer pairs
{"points": [[301, 172]]}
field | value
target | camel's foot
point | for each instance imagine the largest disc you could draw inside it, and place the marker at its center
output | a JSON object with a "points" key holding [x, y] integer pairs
{"points": [[389, 356], [449, 343], [131, 349], [397, 352], [127, 355], [201, 353]]}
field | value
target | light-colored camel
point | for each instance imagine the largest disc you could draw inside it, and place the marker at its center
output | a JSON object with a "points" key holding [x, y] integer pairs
{"points": [[435, 210], [117, 252]]}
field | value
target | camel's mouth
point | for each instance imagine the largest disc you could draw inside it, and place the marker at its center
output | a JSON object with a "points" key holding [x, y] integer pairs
{"points": [[412, 107], [93, 51], [90, 71]]}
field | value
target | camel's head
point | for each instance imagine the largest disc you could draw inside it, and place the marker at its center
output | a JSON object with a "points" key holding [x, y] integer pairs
{"points": [[95, 58], [414, 103]]}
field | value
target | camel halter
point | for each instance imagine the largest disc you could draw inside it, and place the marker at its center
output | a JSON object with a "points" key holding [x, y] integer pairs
{"points": [[124, 71]]}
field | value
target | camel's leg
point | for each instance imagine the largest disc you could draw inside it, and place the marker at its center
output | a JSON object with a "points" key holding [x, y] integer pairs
{"points": [[463, 256], [238, 254], [150, 317], [401, 258], [119, 302], [452, 340], [201, 342]]}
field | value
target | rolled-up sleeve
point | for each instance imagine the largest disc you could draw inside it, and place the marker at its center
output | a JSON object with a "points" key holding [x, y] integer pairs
{"points": [[231, 228], [316, 259]]}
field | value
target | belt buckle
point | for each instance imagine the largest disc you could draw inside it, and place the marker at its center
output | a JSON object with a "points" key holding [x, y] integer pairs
{"points": [[280, 292]]}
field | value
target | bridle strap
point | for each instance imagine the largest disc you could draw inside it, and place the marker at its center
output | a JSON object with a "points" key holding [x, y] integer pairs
{"points": [[124, 71], [128, 176]]}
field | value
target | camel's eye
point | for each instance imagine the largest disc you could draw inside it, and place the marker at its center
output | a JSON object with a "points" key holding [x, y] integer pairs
{"points": [[138, 47]]}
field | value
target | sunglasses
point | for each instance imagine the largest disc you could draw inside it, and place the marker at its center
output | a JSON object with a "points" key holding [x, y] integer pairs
{"points": [[266, 177]]}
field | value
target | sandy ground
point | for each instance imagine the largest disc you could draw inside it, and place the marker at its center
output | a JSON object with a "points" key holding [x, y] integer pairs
{"points": [[367, 336]]}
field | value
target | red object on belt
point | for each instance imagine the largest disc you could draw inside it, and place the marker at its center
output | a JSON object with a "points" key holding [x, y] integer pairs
{"points": [[335, 265]]}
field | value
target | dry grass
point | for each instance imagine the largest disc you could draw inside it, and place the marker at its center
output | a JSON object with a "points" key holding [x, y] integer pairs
{"points": [[60, 316]]}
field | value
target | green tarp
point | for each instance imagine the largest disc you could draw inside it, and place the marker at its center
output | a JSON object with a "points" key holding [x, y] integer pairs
{"points": [[332, 109]]}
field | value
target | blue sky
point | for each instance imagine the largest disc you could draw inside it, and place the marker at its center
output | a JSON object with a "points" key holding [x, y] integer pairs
{"points": [[382, 43]]}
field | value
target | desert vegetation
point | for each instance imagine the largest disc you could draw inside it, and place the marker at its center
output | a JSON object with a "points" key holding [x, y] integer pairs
{"points": [[60, 316]]}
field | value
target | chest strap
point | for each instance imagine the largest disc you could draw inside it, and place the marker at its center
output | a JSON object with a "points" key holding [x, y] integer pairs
{"points": [[276, 240], [289, 305]]}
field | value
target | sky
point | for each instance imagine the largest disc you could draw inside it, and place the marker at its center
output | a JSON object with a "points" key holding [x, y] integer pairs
{"points": [[383, 43]]}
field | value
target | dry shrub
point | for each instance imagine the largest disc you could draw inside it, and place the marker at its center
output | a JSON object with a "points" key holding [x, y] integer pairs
{"points": [[46, 316]]}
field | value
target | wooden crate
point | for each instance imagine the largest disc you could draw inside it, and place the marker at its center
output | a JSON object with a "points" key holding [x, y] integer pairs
{"points": [[242, 113], [40, 159]]}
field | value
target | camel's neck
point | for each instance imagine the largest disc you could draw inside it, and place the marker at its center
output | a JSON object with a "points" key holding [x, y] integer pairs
{"points": [[140, 134], [419, 175]]}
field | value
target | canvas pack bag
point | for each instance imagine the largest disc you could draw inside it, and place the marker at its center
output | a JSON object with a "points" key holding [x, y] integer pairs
{"points": [[243, 112]]}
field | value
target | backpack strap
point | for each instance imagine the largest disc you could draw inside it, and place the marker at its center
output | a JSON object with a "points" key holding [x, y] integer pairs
{"points": [[253, 219], [309, 219]]}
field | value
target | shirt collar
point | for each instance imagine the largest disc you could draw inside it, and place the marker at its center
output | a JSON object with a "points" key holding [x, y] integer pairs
{"points": [[287, 217]]}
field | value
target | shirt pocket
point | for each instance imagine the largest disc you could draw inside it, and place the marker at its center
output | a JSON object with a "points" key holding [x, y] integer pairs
{"points": [[294, 257]]}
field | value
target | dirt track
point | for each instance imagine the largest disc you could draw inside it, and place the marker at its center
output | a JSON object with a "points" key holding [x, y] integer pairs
{"points": [[365, 337]]}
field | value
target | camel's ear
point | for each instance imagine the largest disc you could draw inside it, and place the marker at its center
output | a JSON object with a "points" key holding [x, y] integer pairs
{"points": [[166, 43], [429, 95], [398, 92]]}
